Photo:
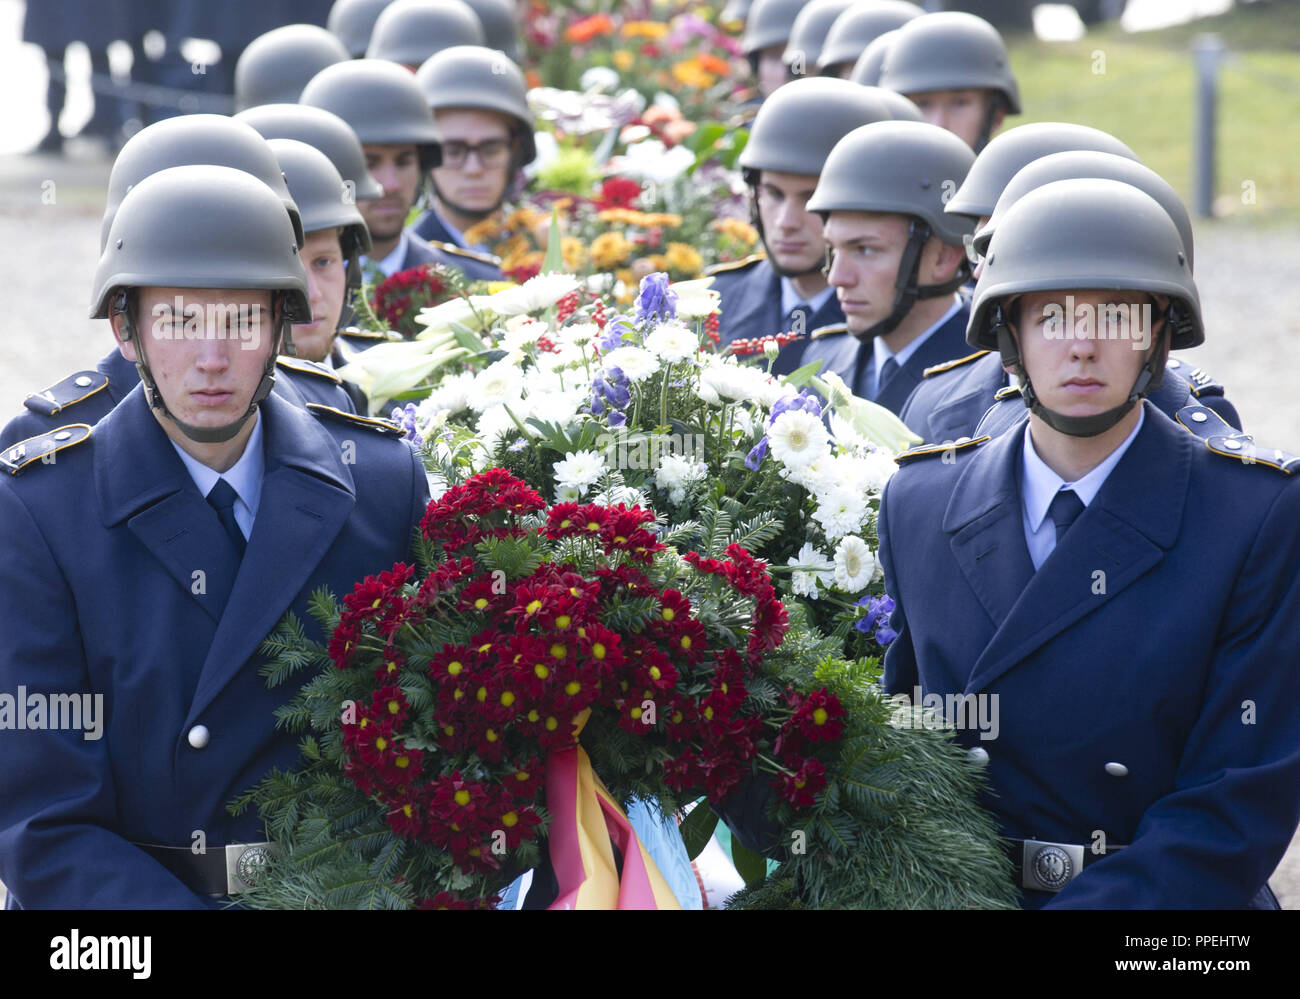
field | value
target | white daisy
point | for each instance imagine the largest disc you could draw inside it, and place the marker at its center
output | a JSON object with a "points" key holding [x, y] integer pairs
{"points": [[521, 331], [635, 362], [676, 472], [817, 569], [695, 299], [534, 295], [578, 333], [495, 384], [797, 438], [855, 564], [672, 342], [840, 511]]}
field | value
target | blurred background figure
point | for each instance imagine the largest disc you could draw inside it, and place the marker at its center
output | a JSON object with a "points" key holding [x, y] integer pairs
{"points": [[352, 21], [409, 31]]}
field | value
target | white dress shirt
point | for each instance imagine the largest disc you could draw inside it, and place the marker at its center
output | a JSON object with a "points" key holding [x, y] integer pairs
{"points": [[391, 263], [244, 476], [882, 353], [790, 298], [1039, 486]]}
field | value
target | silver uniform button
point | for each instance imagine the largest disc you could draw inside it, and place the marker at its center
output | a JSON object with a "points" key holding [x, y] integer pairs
{"points": [[198, 736], [1117, 769], [1174, 363], [1199, 417], [82, 381], [63, 435], [1233, 445], [979, 754]]}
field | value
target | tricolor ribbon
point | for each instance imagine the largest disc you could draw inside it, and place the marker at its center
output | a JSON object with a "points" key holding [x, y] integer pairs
{"points": [[585, 825]]}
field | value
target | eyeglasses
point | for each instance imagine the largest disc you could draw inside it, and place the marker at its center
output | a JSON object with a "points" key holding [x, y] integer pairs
{"points": [[491, 153]]}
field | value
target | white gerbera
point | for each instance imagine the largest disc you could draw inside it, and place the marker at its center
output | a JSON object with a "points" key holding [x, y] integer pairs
{"points": [[729, 381], [817, 569], [855, 564], [840, 511], [581, 470], [521, 331], [534, 295], [695, 299], [797, 438], [636, 363], [672, 342], [578, 334], [452, 396], [495, 384]]}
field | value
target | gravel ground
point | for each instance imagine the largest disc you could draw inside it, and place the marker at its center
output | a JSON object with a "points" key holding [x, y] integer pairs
{"points": [[49, 229]]}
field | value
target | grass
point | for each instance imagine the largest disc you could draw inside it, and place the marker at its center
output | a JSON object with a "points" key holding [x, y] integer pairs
{"points": [[1141, 88]]}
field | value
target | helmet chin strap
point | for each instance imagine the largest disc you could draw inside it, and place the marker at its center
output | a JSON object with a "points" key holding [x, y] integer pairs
{"points": [[906, 289], [204, 435], [986, 130], [1148, 379]]}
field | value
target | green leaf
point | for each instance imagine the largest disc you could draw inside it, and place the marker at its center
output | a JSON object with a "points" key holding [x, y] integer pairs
{"points": [[749, 865], [554, 262], [697, 829], [802, 376]]}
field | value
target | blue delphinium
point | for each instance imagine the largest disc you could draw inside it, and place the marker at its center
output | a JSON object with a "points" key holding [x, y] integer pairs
{"points": [[655, 300], [609, 391], [404, 416], [877, 618]]}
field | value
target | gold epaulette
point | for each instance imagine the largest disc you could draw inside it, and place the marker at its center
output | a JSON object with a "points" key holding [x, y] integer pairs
{"points": [[735, 265], [17, 457], [948, 447], [306, 367], [828, 330], [1006, 392], [68, 392], [460, 251], [369, 422], [935, 369], [1223, 439]]}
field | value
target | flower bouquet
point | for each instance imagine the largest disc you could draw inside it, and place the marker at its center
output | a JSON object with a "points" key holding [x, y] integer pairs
{"points": [[464, 707]]}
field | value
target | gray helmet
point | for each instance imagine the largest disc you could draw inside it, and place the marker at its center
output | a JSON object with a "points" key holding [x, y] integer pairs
{"points": [[323, 197], [900, 108], [245, 242], [381, 101], [275, 66], [320, 128], [1075, 165], [498, 20], [473, 76], [800, 123], [1007, 154], [867, 69], [195, 139], [809, 34], [903, 167], [409, 31], [950, 51], [1090, 234], [859, 26], [352, 21], [769, 24]]}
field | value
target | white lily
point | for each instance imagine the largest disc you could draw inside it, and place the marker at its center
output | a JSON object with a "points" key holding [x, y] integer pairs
{"points": [[695, 299], [439, 318], [388, 369], [535, 294], [868, 420]]}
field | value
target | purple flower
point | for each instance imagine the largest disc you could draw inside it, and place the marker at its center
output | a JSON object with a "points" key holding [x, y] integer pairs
{"points": [[617, 331], [609, 390], [803, 401], [404, 416], [656, 300], [756, 455], [877, 617]]}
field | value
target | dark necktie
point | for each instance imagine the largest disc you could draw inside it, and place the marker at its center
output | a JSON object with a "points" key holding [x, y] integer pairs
{"points": [[1065, 509], [887, 372], [796, 320], [222, 498]]}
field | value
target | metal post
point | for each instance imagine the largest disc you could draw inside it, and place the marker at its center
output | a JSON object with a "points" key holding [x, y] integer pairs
{"points": [[1208, 50]]}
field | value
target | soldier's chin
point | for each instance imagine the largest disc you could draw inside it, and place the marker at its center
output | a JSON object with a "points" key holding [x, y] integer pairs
{"points": [[310, 344], [795, 264]]}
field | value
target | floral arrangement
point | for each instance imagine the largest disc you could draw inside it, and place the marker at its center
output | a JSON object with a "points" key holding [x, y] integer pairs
{"points": [[525, 628]]}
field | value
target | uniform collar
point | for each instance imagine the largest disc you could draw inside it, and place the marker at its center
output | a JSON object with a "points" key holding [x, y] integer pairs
{"points": [[244, 476], [790, 298], [392, 263], [1040, 484], [883, 353]]}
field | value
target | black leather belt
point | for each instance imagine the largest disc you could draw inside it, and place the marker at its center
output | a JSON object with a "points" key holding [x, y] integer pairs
{"points": [[216, 872], [1041, 865]]}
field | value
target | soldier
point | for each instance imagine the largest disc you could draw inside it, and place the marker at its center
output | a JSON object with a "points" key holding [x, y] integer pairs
{"points": [[854, 30], [387, 110], [896, 259], [785, 289], [86, 396], [498, 20], [867, 68], [808, 33], [352, 22], [1078, 572], [409, 31], [277, 65], [953, 397], [954, 67], [336, 237], [767, 30], [130, 594], [479, 104]]}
